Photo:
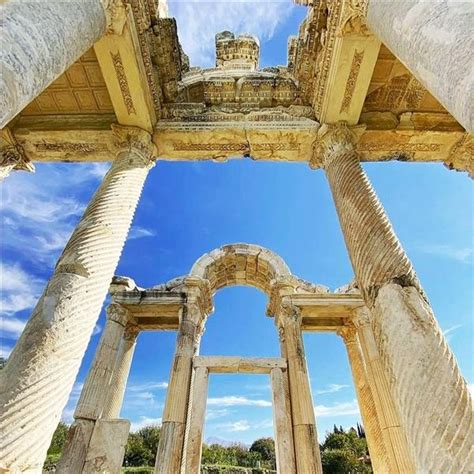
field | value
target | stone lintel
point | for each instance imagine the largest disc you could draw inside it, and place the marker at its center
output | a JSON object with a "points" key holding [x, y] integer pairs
{"points": [[229, 365]]}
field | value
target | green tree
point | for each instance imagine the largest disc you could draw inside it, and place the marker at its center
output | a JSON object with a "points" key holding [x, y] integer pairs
{"points": [[266, 448], [142, 446], [59, 439]]}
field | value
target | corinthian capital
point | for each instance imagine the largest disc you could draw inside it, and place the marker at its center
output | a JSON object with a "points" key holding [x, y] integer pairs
{"points": [[12, 155], [349, 333], [115, 15], [135, 139], [333, 141]]}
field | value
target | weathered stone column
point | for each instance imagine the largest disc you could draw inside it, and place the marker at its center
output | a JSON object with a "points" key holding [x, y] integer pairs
{"points": [[93, 395], [308, 458], [284, 446], [192, 459], [40, 40], [118, 382], [434, 40], [395, 442], [170, 449], [375, 441], [430, 394], [36, 381]]}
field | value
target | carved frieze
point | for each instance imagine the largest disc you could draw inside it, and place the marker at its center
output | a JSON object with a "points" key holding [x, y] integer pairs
{"points": [[123, 83], [352, 80]]}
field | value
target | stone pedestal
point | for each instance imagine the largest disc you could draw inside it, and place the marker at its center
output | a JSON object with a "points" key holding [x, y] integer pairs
{"points": [[370, 420], [308, 458], [434, 40], [36, 382], [171, 446], [429, 392], [38, 43]]}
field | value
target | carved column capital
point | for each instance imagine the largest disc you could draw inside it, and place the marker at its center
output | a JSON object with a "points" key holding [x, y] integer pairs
{"points": [[12, 154], [349, 333], [333, 140], [288, 314], [361, 317], [119, 314], [131, 332], [353, 18], [137, 140], [115, 16]]}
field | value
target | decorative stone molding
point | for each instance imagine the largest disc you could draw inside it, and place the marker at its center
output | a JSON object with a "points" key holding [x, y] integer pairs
{"points": [[135, 139], [353, 17], [349, 333], [461, 157], [116, 312], [116, 15], [131, 332]]}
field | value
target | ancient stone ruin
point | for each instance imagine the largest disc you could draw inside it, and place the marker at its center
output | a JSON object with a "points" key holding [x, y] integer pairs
{"points": [[111, 82]]}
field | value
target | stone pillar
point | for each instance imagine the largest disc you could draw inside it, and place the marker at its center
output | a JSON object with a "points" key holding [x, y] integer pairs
{"points": [[171, 447], [399, 456], [196, 422], [39, 41], [36, 381], [434, 40], [118, 382], [430, 394], [93, 395], [375, 441], [12, 155], [284, 446], [308, 458]]}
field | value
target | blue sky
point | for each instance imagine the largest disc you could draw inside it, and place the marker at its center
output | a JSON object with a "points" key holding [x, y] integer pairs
{"points": [[188, 209]]}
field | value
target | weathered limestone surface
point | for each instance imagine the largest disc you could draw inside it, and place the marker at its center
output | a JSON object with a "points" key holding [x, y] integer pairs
{"points": [[434, 40], [375, 441], [430, 394], [39, 41], [12, 155], [107, 447], [118, 382], [393, 435], [171, 446], [39, 375], [308, 457], [284, 446], [192, 459]]}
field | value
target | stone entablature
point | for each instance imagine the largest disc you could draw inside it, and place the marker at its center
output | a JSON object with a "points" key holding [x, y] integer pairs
{"points": [[241, 52]]}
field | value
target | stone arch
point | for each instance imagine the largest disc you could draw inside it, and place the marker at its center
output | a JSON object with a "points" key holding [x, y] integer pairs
{"points": [[241, 264]]}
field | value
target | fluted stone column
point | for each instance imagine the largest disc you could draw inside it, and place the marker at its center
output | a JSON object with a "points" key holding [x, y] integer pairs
{"points": [[393, 435], [36, 381], [430, 394], [308, 457], [375, 441], [175, 414], [118, 382], [435, 42], [93, 395], [41, 39]]}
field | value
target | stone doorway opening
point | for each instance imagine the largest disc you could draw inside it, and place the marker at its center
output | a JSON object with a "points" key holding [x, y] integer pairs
{"points": [[276, 369]]}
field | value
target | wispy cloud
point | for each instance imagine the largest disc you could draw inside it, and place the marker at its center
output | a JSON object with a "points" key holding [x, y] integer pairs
{"points": [[137, 232], [199, 21], [338, 409], [139, 387], [332, 388], [234, 426], [68, 412], [213, 414], [460, 254], [142, 422], [449, 332], [5, 350], [233, 401]]}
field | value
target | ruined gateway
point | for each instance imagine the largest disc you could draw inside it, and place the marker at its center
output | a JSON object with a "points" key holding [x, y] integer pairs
{"points": [[110, 82]]}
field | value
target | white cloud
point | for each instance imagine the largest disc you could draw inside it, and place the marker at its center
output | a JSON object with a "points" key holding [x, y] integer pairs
{"points": [[449, 333], [233, 426], [213, 414], [137, 232], [199, 21], [338, 409], [139, 387], [5, 350], [142, 422], [97, 329], [460, 254], [12, 326], [20, 291], [232, 401], [332, 388]]}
